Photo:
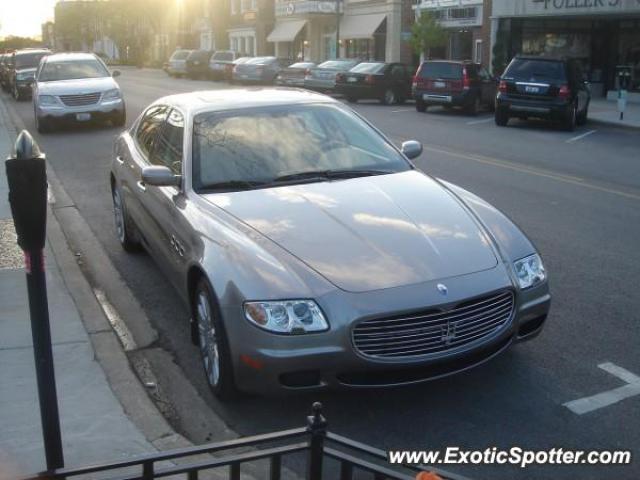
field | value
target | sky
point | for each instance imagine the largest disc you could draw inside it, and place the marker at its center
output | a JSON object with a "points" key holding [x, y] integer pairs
{"points": [[24, 17]]}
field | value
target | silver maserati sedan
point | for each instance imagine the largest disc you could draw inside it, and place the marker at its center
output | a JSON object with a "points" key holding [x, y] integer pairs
{"points": [[309, 249]]}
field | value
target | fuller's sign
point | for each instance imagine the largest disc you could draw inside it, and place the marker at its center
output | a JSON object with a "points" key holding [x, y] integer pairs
{"points": [[520, 8]]}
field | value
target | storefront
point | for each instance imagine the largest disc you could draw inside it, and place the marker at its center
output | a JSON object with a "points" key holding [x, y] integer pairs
{"points": [[463, 21], [305, 30], [603, 34]]}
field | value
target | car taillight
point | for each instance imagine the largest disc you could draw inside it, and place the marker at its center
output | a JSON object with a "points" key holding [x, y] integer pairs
{"points": [[370, 79], [502, 86], [564, 92], [466, 81]]}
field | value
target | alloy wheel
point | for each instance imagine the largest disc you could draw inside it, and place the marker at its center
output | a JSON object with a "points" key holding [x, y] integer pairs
{"points": [[389, 97], [118, 214], [208, 339]]}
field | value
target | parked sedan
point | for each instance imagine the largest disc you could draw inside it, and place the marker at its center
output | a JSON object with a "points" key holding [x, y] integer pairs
{"points": [[22, 70], [197, 64], [220, 62], [76, 87], [449, 83], [231, 68], [388, 82], [177, 66], [261, 70], [309, 249], [323, 77], [293, 75]]}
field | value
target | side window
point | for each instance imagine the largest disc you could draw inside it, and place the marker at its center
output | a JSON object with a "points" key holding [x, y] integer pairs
{"points": [[168, 151], [149, 127], [397, 71]]}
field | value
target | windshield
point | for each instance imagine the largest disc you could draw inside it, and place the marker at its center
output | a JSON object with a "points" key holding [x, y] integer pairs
{"points": [[180, 55], [54, 71], [338, 64], [262, 145], [29, 60], [523, 69], [368, 68], [223, 56]]}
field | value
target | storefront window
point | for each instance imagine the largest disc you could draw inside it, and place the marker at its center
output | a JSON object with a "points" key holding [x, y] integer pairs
{"points": [[629, 51]]}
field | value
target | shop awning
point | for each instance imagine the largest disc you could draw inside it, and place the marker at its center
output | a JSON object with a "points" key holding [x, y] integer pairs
{"points": [[286, 31], [360, 26]]}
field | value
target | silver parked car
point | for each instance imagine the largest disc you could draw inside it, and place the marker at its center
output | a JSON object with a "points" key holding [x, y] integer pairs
{"points": [[293, 75], [311, 252], [76, 87], [261, 70], [323, 77], [177, 65]]}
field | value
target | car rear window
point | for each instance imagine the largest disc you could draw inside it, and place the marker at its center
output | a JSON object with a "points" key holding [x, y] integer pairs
{"points": [[338, 64], [199, 55], [223, 56], [368, 68], [261, 60], [450, 71], [531, 69], [180, 55]]}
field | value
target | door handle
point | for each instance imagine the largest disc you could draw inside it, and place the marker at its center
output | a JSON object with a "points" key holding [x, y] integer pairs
{"points": [[141, 186], [120, 160]]}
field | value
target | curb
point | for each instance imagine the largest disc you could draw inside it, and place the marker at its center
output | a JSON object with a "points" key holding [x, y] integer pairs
{"points": [[124, 372], [614, 124]]}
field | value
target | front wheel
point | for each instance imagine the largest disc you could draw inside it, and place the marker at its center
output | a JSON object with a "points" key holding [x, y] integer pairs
{"points": [[122, 223], [214, 347], [43, 125]]}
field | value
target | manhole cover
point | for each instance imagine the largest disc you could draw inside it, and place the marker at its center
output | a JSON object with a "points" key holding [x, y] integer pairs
{"points": [[10, 254]]}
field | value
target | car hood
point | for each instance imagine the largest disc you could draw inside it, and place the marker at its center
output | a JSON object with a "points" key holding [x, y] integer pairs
{"points": [[368, 233], [77, 86]]}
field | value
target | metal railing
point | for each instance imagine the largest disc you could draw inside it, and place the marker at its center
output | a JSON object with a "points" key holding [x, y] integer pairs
{"points": [[314, 440]]}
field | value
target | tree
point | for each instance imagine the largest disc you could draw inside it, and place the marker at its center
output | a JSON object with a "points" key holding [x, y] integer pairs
{"points": [[13, 42], [427, 33]]}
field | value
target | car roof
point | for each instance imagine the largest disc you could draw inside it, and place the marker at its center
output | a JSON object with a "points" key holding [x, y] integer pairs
{"points": [[548, 58], [70, 56], [241, 98], [25, 51]]}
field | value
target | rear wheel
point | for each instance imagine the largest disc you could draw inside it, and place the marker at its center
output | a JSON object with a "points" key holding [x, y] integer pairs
{"points": [[214, 347], [421, 106], [474, 106], [571, 118], [389, 97], [501, 117], [582, 117]]}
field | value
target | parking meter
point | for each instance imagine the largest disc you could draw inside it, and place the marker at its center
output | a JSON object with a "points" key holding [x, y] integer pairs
{"points": [[623, 74], [27, 179]]}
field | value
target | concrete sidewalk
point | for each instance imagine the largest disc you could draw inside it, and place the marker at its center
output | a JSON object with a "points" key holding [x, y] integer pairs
{"points": [[606, 112]]}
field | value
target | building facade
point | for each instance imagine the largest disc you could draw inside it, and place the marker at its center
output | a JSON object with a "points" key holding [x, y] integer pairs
{"points": [[603, 34], [464, 21], [250, 22]]}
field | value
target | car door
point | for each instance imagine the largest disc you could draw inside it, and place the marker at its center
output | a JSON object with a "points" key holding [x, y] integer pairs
{"points": [[133, 159], [165, 206]]}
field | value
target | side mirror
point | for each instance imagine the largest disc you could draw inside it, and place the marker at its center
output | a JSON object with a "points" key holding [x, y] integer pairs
{"points": [[411, 149], [115, 73], [160, 177]]}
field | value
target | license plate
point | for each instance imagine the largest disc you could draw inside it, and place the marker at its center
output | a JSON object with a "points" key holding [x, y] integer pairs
{"points": [[352, 79], [439, 84], [530, 89], [83, 117]]}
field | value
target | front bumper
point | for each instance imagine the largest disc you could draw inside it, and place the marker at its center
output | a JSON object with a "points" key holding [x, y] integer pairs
{"points": [[97, 111], [269, 364]]}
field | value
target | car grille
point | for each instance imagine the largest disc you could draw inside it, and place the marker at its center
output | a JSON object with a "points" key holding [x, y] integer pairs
{"points": [[434, 331], [80, 100]]}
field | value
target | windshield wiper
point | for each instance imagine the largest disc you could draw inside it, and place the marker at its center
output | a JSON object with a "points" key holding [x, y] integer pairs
{"points": [[328, 175], [233, 185]]}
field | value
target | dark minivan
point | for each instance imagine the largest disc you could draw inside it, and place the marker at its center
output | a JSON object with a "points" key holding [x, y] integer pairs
{"points": [[453, 84], [551, 88]]}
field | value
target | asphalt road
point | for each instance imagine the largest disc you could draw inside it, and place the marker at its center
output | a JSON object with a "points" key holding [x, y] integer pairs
{"points": [[577, 198]]}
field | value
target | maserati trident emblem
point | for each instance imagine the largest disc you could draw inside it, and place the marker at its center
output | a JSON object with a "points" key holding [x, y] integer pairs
{"points": [[449, 334], [442, 288]]}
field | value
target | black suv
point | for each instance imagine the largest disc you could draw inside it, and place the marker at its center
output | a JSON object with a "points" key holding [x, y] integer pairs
{"points": [[21, 71], [453, 84], [543, 87], [198, 64]]}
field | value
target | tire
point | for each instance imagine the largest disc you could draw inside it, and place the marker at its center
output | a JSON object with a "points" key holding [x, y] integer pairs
{"points": [[123, 224], [352, 99], [43, 125], [582, 117], [389, 97], [421, 106], [16, 93], [570, 121], [501, 117], [120, 119], [213, 343], [474, 107]]}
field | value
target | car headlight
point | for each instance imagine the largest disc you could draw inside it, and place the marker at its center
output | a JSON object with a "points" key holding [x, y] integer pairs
{"points": [[45, 100], [286, 316], [111, 95], [530, 271]]}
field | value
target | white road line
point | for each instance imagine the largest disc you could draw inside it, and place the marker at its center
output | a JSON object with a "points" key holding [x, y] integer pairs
{"points": [[604, 399], [580, 137], [484, 120], [404, 110]]}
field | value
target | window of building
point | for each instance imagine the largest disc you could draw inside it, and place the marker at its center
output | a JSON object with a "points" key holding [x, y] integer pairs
{"points": [[477, 57], [234, 7]]}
